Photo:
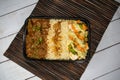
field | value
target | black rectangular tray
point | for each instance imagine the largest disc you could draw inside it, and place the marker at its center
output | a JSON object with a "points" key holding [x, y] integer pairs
{"points": [[65, 18]]}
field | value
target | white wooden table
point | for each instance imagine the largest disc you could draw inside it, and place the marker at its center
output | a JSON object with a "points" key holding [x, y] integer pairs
{"points": [[104, 65]]}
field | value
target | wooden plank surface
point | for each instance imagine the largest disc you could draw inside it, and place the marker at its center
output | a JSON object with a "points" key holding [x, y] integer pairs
{"points": [[11, 71], [98, 12]]}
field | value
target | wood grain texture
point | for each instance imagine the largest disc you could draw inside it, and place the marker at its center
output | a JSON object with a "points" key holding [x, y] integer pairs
{"points": [[98, 12]]}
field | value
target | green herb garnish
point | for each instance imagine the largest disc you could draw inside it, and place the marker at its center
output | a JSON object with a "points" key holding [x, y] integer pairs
{"points": [[40, 40], [36, 28], [70, 48], [80, 25]]}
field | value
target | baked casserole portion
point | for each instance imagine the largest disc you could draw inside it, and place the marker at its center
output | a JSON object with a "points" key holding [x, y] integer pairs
{"points": [[56, 39]]}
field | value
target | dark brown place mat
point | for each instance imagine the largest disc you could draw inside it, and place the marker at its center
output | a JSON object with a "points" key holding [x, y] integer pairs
{"points": [[98, 12]]}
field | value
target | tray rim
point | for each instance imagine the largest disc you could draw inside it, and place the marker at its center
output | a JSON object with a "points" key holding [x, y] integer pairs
{"points": [[88, 56]]}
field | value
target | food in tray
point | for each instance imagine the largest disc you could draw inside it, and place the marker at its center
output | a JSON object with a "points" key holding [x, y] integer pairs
{"points": [[56, 39]]}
